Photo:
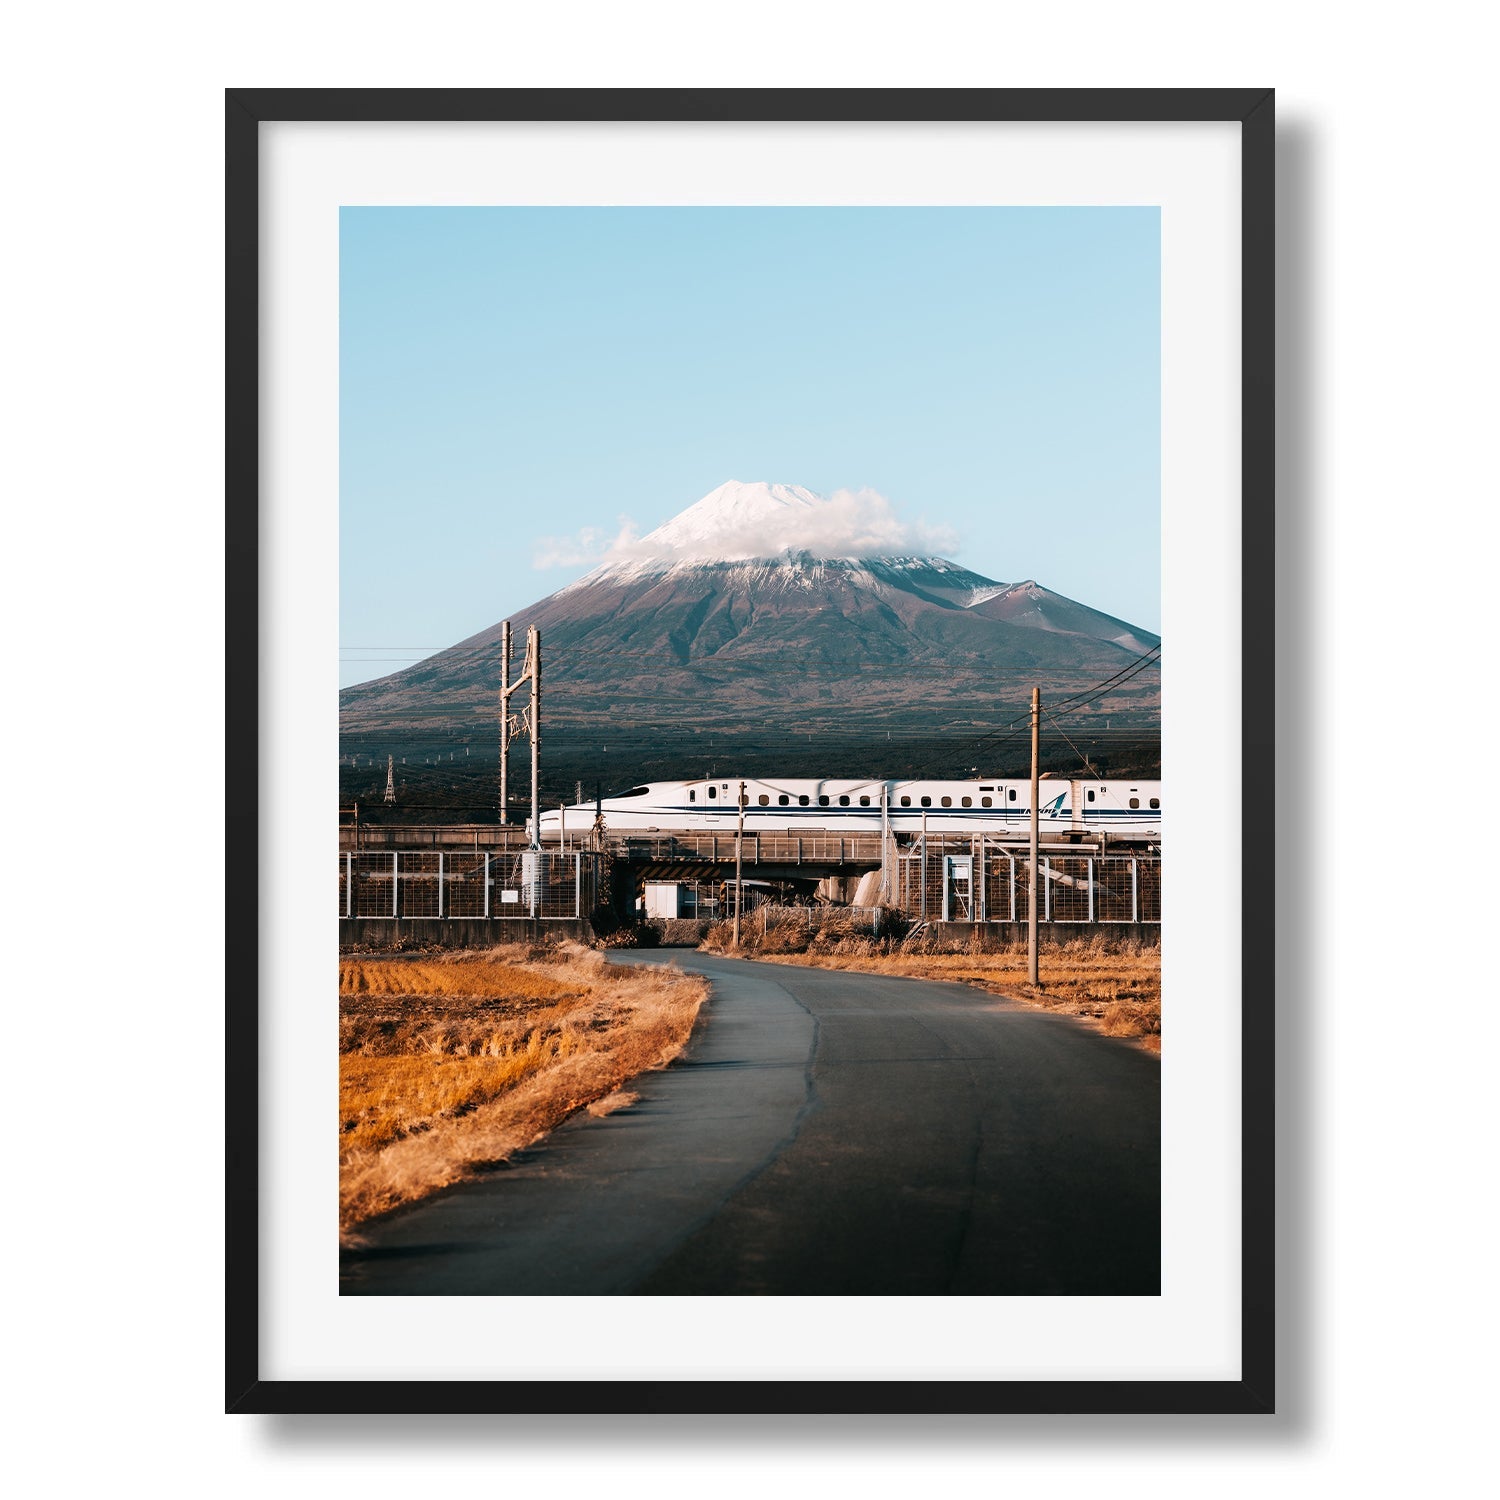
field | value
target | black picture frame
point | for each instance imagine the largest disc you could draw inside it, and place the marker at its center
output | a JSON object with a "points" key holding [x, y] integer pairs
{"points": [[245, 111]]}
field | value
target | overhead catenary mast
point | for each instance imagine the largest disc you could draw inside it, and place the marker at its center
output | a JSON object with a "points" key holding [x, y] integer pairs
{"points": [[513, 726], [504, 717]]}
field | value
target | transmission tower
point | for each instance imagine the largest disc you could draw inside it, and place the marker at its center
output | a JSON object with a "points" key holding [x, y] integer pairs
{"points": [[390, 778]]}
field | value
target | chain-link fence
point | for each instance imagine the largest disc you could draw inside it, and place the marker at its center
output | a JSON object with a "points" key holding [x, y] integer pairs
{"points": [[494, 884], [758, 848], [973, 882]]}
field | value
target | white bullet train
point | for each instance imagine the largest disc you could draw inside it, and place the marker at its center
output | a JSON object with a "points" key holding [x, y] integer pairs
{"points": [[1119, 808]]}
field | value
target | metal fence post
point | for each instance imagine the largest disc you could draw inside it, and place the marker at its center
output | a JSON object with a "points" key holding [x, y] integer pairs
{"points": [[577, 885], [1091, 888], [1047, 889], [440, 886], [349, 885], [395, 884], [1135, 905], [1012, 861], [486, 883]]}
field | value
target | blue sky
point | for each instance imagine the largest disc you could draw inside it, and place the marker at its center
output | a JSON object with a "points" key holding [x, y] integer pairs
{"points": [[510, 375]]}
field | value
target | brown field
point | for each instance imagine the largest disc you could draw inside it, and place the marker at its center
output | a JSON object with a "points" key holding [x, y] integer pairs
{"points": [[450, 1064], [1113, 983]]}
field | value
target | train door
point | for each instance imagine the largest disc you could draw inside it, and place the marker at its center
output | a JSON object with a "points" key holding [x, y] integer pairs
{"points": [[1010, 794]]}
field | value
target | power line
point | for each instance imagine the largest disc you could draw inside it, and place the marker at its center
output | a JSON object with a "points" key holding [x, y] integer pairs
{"points": [[1130, 669], [1087, 763], [653, 666], [1088, 695], [1086, 700], [997, 739]]}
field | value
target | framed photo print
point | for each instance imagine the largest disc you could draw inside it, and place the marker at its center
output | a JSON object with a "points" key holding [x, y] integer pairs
{"points": [[761, 593]]}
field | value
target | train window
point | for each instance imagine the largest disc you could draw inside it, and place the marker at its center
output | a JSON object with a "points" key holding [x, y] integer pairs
{"points": [[1091, 794], [803, 800], [1135, 801], [986, 801], [986, 789], [713, 791], [864, 801], [1156, 802], [906, 802], [843, 802], [765, 801], [968, 802], [1013, 794], [635, 791], [692, 796], [823, 801], [947, 801], [926, 801], [782, 800]]}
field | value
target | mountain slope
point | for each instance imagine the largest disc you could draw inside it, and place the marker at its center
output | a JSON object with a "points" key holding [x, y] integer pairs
{"points": [[730, 620]]}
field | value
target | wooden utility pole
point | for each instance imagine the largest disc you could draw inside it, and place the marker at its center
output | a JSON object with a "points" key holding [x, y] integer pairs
{"points": [[1036, 830], [739, 867]]}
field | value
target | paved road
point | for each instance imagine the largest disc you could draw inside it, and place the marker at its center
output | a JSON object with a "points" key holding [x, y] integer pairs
{"points": [[826, 1132]]}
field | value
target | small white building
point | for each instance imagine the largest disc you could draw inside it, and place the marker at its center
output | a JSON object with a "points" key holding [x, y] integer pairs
{"points": [[665, 899]]}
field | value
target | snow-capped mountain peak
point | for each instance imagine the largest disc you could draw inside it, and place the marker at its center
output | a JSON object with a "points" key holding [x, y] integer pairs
{"points": [[749, 520], [774, 524]]}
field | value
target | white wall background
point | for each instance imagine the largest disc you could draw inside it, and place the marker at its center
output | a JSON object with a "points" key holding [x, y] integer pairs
{"points": [[113, 611]]}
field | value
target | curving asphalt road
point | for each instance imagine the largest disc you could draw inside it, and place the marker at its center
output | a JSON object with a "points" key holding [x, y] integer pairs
{"points": [[826, 1132]]}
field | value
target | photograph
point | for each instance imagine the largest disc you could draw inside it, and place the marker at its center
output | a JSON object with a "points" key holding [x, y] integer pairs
{"points": [[750, 797], [690, 527]]}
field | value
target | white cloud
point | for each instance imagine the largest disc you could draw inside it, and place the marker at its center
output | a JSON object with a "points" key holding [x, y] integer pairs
{"points": [[749, 524], [586, 549]]}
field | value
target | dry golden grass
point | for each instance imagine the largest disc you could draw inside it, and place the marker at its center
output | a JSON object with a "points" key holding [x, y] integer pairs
{"points": [[493, 974], [1114, 985], [620, 1099], [451, 1064]]}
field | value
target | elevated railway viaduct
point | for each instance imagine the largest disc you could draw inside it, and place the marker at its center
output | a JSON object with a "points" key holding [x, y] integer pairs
{"points": [[454, 873]]}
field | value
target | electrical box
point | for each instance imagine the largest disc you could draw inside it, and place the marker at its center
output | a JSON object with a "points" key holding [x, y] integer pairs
{"points": [[958, 888]]}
